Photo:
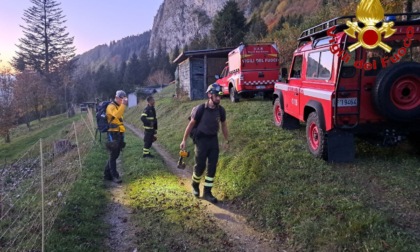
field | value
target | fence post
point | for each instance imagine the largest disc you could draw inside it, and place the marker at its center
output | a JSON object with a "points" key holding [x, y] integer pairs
{"points": [[42, 196], [77, 144]]}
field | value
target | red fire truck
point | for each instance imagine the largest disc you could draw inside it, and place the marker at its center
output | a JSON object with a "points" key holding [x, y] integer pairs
{"points": [[340, 93], [251, 69]]}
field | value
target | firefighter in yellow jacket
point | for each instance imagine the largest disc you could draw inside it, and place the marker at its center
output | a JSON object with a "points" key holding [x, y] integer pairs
{"points": [[148, 117], [115, 134]]}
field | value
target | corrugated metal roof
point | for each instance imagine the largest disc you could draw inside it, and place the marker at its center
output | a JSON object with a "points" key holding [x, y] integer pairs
{"points": [[211, 53]]}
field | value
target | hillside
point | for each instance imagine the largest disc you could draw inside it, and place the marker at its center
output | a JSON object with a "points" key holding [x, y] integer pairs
{"points": [[269, 176], [177, 23], [113, 54]]}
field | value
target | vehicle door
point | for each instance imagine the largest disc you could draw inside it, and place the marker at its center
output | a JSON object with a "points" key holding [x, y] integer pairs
{"points": [[291, 94], [223, 80], [318, 84]]}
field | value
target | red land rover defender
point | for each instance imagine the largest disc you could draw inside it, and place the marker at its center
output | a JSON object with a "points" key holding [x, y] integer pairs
{"points": [[250, 69], [340, 93]]}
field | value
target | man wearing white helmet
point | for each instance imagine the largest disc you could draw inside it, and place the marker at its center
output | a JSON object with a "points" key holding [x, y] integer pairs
{"points": [[115, 134], [205, 120]]}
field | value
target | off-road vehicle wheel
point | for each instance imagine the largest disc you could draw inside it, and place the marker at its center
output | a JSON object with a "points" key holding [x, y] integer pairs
{"points": [[396, 93], [282, 119], [233, 94], [316, 137]]}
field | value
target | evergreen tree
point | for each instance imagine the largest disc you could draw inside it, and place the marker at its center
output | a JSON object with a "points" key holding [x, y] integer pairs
{"points": [[257, 29], [45, 44], [144, 66], [105, 81], [185, 48], [175, 54], [199, 42], [120, 72], [156, 60], [132, 74], [160, 62], [85, 88], [229, 26], [279, 25]]}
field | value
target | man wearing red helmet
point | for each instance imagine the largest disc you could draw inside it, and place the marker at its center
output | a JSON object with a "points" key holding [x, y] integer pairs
{"points": [[205, 119]]}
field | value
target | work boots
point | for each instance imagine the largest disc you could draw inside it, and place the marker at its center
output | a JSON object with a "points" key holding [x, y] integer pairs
{"points": [[196, 189], [117, 180], [208, 196], [148, 155]]}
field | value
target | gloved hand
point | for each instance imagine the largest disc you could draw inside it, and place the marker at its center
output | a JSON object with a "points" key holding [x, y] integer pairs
{"points": [[154, 138]]}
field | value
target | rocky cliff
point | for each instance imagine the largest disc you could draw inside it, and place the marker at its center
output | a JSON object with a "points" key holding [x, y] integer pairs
{"points": [[179, 21]]}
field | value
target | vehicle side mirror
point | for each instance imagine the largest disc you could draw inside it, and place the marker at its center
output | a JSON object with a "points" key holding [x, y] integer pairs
{"points": [[217, 76]]}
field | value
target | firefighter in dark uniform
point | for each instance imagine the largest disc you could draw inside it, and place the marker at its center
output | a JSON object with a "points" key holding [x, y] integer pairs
{"points": [[115, 135], [206, 141], [148, 117]]}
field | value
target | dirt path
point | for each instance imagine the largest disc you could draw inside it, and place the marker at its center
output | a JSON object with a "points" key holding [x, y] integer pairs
{"points": [[122, 233], [245, 237]]}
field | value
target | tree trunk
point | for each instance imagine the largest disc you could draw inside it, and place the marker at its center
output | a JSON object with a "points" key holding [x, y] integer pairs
{"points": [[7, 137], [408, 7], [28, 123]]}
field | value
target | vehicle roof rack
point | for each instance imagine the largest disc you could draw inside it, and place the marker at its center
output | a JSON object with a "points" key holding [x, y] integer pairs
{"points": [[321, 29]]}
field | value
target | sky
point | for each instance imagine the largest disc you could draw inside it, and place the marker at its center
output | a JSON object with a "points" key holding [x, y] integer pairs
{"points": [[90, 22]]}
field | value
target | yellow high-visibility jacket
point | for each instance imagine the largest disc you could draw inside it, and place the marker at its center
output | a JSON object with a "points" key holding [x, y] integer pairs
{"points": [[114, 115]]}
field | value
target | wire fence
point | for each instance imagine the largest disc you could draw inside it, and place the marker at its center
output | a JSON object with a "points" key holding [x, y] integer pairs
{"points": [[34, 188]]}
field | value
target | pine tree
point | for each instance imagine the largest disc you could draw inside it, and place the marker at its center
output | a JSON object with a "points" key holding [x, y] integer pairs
{"points": [[120, 72], [105, 81], [175, 54], [144, 65], [229, 26], [132, 76], [46, 44], [257, 29]]}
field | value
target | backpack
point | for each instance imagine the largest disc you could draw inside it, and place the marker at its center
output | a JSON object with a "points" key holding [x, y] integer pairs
{"points": [[101, 121], [198, 115]]}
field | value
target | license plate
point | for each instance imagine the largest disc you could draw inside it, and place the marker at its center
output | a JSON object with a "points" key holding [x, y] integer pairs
{"points": [[347, 102], [260, 87]]}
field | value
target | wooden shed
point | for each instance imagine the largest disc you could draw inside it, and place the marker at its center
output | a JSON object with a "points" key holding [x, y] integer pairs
{"points": [[196, 70]]}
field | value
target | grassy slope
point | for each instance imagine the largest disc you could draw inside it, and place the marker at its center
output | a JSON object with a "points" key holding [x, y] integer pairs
{"points": [[372, 204], [270, 176], [22, 138], [167, 217], [80, 225]]}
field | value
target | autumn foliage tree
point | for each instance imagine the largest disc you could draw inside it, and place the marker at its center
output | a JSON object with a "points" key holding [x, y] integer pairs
{"points": [[7, 108], [158, 77], [31, 95]]}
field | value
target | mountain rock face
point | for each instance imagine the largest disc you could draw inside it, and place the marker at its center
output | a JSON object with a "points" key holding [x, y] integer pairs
{"points": [[179, 21]]}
